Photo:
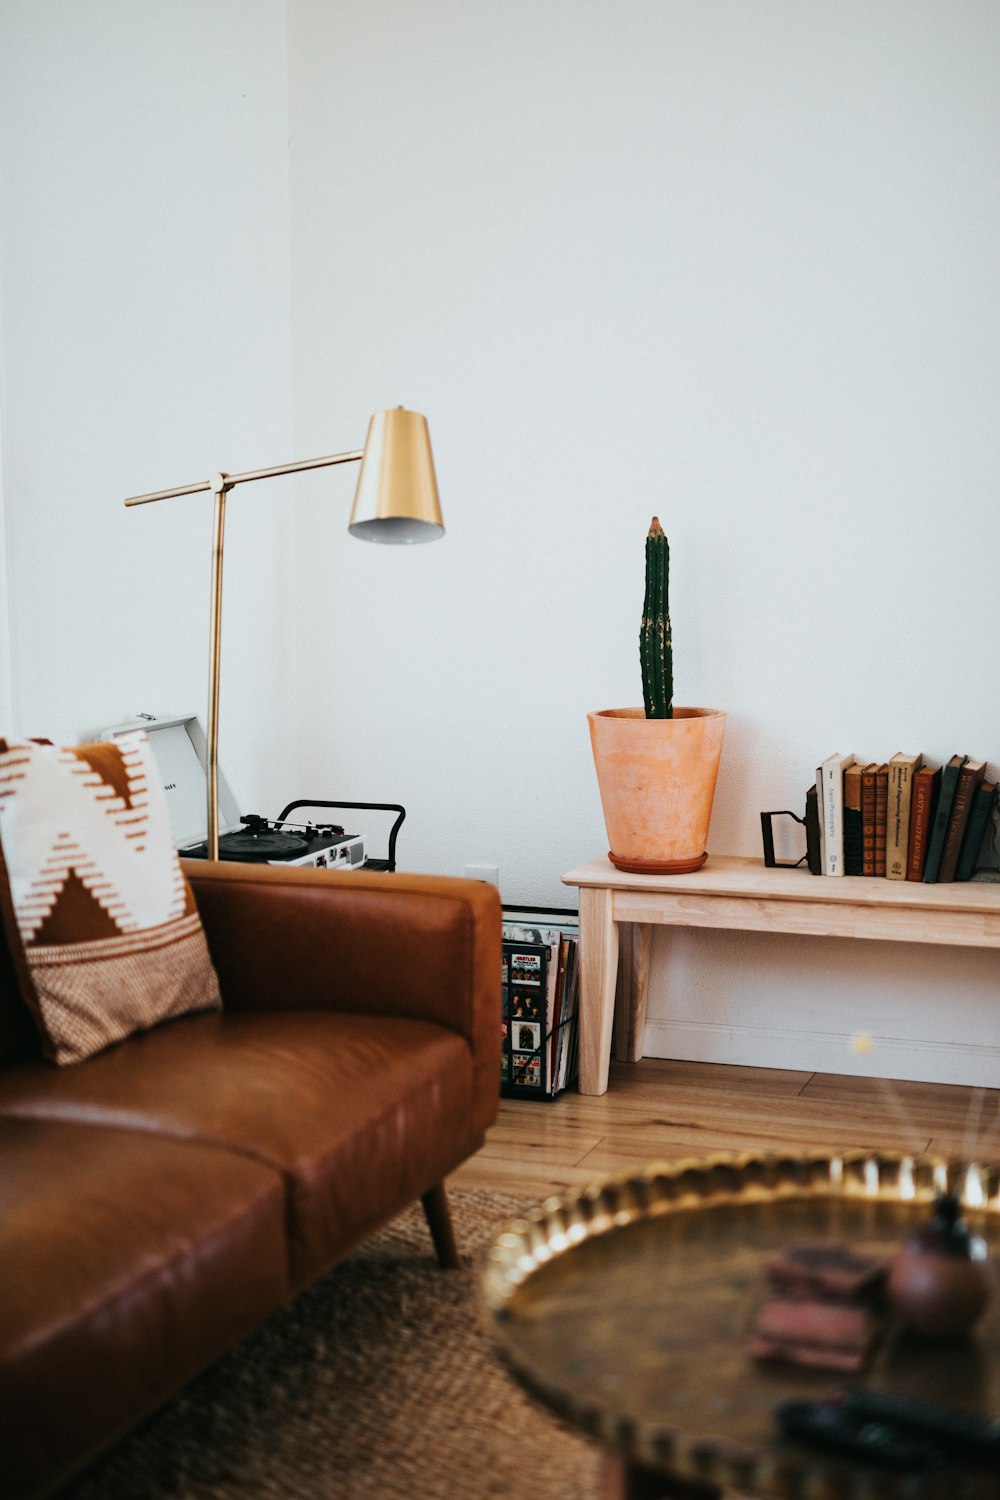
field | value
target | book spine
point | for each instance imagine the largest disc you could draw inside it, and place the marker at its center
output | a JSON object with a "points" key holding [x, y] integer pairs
{"points": [[969, 778], [853, 846], [868, 820], [820, 804], [975, 831], [881, 810], [897, 832], [942, 817], [987, 866], [833, 794], [925, 785]]}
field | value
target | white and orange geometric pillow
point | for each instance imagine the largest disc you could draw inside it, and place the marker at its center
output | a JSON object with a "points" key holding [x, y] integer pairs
{"points": [[101, 922]]}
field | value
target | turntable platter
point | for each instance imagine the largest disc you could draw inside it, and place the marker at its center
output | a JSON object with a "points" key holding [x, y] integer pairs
{"points": [[263, 846]]}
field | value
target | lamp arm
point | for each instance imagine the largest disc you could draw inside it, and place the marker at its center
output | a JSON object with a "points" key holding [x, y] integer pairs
{"points": [[220, 484], [355, 456]]}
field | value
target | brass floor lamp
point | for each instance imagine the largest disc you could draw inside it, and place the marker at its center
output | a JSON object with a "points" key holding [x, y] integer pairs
{"points": [[396, 501]]}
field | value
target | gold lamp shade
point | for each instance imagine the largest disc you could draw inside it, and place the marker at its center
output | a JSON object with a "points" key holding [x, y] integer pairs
{"points": [[397, 497]]}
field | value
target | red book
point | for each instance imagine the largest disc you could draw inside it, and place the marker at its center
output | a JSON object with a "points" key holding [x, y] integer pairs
{"points": [[926, 785], [881, 812], [868, 819]]}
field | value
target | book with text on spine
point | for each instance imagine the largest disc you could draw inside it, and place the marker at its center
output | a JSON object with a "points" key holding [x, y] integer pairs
{"points": [[897, 826], [969, 778], [923, 805], [942, 817], [833, 769]]}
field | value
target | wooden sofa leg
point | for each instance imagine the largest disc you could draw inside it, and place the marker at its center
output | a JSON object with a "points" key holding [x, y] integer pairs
{"points": [[438, 1216]]}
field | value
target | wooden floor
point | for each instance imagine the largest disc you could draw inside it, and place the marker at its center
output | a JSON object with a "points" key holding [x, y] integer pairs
{"points": [[657, 1110]]}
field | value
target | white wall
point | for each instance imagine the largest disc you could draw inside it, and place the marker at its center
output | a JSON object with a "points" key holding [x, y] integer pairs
{"points": [[734, 263], [6, 659], [144, 307], [731, 263]]}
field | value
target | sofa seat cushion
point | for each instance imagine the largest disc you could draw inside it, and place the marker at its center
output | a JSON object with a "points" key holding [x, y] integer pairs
{"points": [[360, 1114], [129, 1261]]}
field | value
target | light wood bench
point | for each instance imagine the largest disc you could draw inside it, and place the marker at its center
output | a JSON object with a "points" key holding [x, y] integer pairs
{"points": [[618, 913]]}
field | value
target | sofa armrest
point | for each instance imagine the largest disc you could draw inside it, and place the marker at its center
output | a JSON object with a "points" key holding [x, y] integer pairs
{"points": [[422, 946]]}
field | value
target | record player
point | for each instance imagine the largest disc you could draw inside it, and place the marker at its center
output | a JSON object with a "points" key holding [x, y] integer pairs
{"points": [[179, 749], [283, 843]]}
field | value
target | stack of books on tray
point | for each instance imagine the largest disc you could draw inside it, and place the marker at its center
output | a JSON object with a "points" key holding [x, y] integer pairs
{"points": [[904, 820], [540, 982]]}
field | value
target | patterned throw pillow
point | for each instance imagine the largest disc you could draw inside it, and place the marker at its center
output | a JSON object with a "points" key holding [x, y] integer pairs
{"points": [[98, 915]]}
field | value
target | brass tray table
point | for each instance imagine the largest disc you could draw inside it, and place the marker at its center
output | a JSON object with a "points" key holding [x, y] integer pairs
{"points": [[626, 1308]]}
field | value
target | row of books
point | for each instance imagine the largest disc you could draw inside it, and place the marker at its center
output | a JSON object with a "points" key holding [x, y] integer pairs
{"points": [[902, 819], [540, 985]]}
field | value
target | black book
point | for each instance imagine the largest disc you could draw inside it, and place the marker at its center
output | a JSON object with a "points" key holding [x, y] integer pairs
{"points": [[853, 836], [942, 817], [987, 866], [975, 830]]}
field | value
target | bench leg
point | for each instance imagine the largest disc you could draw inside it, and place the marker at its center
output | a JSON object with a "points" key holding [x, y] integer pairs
{"points": [[630, 1013], [438, 1216], [598, 982]]}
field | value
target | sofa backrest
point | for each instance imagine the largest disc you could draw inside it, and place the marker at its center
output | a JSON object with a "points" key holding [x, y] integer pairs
{"points": [[18, 1036]]}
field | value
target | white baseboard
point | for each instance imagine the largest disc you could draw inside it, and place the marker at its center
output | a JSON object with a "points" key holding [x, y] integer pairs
{"points": [[933, 1061]]}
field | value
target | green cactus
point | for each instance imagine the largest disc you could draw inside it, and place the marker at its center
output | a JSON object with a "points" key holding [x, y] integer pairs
{"points": [[655, 646]]}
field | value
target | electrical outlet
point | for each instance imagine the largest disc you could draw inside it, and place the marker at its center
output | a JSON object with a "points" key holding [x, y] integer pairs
{"points": [[489, 873]]}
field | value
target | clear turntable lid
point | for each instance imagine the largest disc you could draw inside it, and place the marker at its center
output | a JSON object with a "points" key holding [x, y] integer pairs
{"points": [[181, 753]]}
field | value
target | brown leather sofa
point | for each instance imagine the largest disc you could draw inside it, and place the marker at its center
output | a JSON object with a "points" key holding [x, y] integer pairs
{"points": [[159, 1200]]}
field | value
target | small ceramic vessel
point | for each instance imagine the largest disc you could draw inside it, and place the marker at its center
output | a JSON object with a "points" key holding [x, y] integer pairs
{"points": [[941, 1280]]}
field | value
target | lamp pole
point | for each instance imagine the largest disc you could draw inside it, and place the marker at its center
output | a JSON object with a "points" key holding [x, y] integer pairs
{"points": [[220, 490]]}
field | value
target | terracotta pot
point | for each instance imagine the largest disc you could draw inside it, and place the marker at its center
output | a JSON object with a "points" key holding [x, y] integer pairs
{"points": [[657, 781]]}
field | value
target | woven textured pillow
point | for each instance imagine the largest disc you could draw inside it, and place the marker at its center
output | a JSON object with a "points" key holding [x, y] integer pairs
{"points": [[100, 920]]}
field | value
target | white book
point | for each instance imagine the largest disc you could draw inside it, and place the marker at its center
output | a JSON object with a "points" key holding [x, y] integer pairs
{"points": [[832, 821]]}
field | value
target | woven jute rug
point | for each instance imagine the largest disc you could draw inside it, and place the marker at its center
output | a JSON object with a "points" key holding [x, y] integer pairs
{"points": [[380, 1380]]}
